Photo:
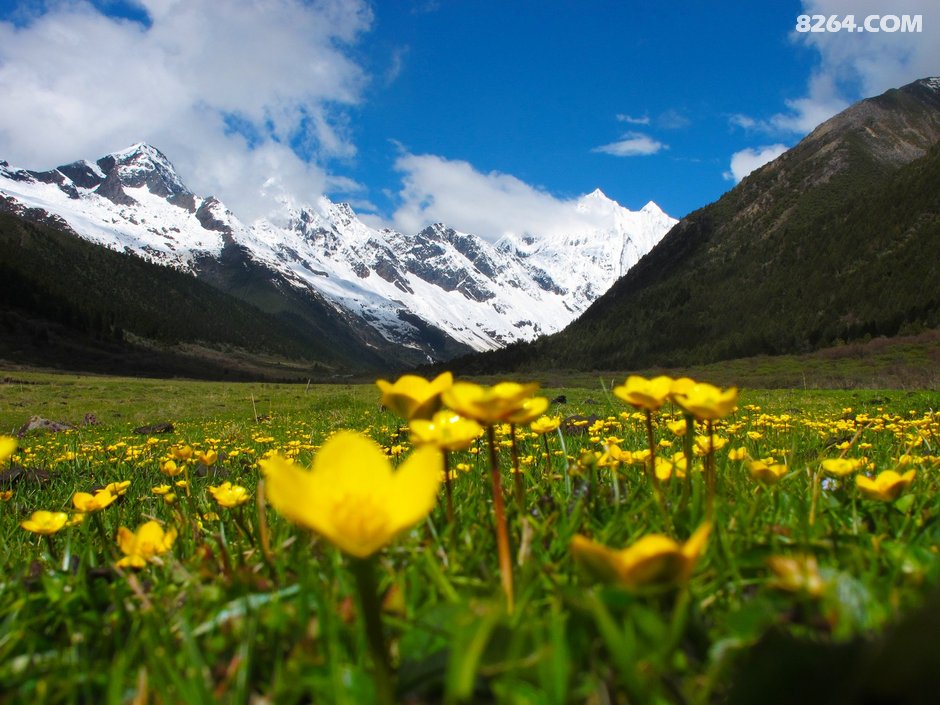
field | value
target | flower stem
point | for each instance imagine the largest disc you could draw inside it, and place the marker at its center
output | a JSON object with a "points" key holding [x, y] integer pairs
{"points": [[499, 512], [689, 457], [102, 533], [50, 547], [517, 478], [710, 473], [448, 490], [363, 570], [652, 472]]}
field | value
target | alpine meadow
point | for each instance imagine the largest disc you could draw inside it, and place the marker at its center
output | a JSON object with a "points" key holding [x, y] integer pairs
{"points": [[329, 374]]}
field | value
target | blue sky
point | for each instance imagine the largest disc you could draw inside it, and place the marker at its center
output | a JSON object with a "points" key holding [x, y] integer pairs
{"points": [[483, 114]]}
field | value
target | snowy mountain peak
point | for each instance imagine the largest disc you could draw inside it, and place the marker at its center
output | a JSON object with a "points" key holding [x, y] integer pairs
{"points": [[597, 198], [933, 83], [143, 165], [433, 291]]}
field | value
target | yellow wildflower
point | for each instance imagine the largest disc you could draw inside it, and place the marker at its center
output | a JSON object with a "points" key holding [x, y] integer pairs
{"points": [[171, 469], [85, 502], [184, 452], [489, 405], [642, 393], [655, 561], [545, 424], [680, 385], [446, 430], [767, 473], [840, 467], [207, 457], [7, 447], [677, 428], [703, 443], [886, 487], [799, 574], [229, 495], [118, 488], [45, 523], [141, 546], [706, 402], [414, 397], [529, 410], [351, 495]]}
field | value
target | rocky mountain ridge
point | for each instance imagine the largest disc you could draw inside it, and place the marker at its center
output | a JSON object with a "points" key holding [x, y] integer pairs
{"points": [[437, 292]]}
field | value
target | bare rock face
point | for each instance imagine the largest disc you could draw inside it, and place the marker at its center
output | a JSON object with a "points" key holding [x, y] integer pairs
{"points": [[38, 423]]}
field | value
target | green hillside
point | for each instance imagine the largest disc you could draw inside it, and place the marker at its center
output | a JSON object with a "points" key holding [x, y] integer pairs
{"points": [[837, 240], [70, 304]]}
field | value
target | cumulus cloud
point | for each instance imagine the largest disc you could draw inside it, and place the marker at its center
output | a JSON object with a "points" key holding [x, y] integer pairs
{"points": [[248, 103], [747, 160], [851, 66], [632, 144], [854, 65], [491, 205]]}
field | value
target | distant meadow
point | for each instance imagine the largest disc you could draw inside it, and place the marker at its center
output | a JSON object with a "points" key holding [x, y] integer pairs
{"points": [[431, 540]]}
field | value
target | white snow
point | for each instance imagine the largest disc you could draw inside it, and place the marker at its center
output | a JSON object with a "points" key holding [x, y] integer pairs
{"points": [[530, 286]]}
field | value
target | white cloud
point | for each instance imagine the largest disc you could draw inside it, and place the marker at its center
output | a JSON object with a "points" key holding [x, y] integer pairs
{"points": [[855, 65], [632, 144], [644, 120], [744, 121], [435, 189], [673, 120], [747, 160], [76, 83]]}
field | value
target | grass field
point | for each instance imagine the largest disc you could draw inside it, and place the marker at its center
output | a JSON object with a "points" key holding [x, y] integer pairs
{"points": [[802, 569]]}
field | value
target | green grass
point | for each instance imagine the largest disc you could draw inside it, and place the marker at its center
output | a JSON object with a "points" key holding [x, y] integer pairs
{"points": [[215, 622]]}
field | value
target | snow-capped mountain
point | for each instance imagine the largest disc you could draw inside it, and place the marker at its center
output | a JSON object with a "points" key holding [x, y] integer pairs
{"points": [[408, 288]]}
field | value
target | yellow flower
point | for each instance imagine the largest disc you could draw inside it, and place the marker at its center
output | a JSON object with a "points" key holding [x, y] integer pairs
{"points": [[182, 452], [545, 424], [799, 574], [414, 397], [766, 473], [161, 489], [85, 502], [148, 542], [7, 447], [529, 410], [680, 385], [643, 393], [118, 488], [653, 561], [207, 458], [171, 469], [46, 523], [351, 495], [703, 443], [665, 469], [6, 495], [489, 405], [229, 495], [887, 487], [706, 402], [840, 467], [739, 453], [677, 428], [446, 430]]}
